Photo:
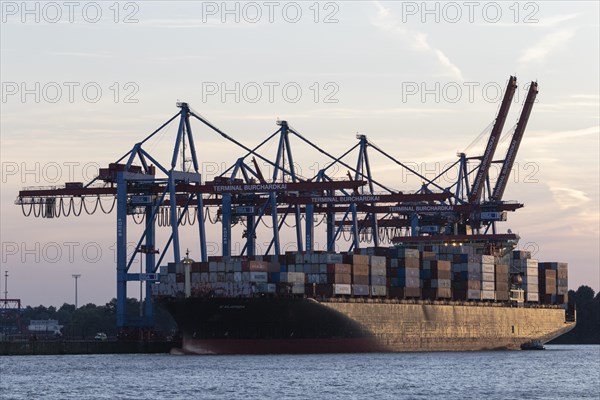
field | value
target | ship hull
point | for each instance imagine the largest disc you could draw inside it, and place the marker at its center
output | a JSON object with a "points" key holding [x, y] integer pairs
{"points": [[295, 325]]}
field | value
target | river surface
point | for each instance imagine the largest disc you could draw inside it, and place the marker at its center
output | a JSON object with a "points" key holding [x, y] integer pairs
{"points": [[560, 372]]}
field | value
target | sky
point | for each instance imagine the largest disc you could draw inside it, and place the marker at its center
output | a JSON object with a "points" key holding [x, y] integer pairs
{"points": [[82, 82]]}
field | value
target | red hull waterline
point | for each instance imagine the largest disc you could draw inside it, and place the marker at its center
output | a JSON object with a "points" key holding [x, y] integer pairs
{"points": [[279, 346]]}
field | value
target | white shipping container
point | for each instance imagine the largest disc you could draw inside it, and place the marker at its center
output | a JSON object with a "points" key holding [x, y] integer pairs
{"points": [[532, 263], [298, 288], [531, 287], [342, 289], [292, 277], [530, 296], [487, 277], [487, 268], [488, 295], [485, 259], [532, 271], [487, 286]]}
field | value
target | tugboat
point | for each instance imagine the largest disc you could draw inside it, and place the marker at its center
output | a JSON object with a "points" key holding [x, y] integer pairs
{"points": [[533, 345]]}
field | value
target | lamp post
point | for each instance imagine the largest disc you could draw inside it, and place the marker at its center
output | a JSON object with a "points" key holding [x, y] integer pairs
{"points": [[76, 276]]}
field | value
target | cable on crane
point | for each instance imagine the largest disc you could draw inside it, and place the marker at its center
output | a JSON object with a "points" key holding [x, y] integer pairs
{"points": [[135, 219], [78, 213], [265, 224], [62, 207], [480, 136], [111, 208], [85, 207], [195, 216], [37, 213], [23, 209], [207, 215], [346, 235], [322, 220]]}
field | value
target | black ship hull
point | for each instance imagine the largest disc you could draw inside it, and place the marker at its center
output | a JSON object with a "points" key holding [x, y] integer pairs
{"points": [[299, 325]]}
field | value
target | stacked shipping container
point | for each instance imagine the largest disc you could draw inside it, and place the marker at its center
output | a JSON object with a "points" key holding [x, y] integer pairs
{"points": [[430, 272], [524, 265]]}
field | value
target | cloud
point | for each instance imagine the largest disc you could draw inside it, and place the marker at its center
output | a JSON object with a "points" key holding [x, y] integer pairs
{"points": [[547, 22], [538, 53], [385, 21], [568, 198], [546, 137]]}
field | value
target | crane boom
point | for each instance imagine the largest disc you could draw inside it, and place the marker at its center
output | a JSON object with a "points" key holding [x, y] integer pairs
{"points": [[488, 155], [513, 148]]}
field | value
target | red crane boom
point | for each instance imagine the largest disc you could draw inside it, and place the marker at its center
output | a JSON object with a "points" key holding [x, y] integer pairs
{"points": [[488, 155], [513, 148]]}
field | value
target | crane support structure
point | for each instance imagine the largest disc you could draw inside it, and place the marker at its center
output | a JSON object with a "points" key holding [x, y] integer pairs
{"points": [[490, 149], [513, 148]]}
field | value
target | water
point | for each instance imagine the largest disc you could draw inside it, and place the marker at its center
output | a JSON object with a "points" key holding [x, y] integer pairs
{"points": [[561, 372]]}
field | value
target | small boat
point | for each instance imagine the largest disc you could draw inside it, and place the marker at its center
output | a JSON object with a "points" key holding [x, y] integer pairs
{"points": [[533, 345]]}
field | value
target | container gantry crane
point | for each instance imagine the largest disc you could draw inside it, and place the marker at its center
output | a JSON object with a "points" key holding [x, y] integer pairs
{"points": [[162, 194]]}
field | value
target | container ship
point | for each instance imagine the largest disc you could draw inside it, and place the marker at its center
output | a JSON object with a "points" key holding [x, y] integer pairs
{"points": [[430, 298], [449, 281]]}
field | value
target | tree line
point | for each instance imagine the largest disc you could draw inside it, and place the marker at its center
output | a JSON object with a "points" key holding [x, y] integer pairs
{"points": [[87, 320], [587, 330]]}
